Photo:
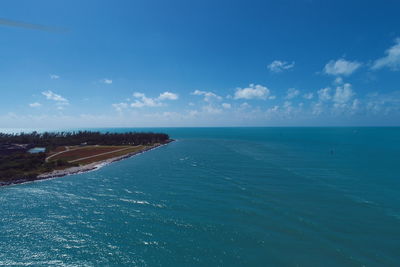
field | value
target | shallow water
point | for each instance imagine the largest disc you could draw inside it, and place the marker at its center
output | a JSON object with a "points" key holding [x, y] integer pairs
{"points": [[219, 197]]}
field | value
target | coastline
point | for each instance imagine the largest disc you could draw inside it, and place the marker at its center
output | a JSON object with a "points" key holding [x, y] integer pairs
{"points": [[82, 169]]}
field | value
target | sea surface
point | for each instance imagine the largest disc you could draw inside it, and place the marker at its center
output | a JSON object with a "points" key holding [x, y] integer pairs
{"points": [[219, 197]]}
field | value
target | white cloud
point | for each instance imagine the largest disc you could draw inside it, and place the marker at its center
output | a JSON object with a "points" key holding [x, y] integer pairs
{"points": [[106, 81], [308, 96], [343, 94], [324, 94], [292, 93], [226, 105], [245, 105], [341, 67], [377, 103], [120, 106], [208, 96], [35, 105], [252, 92], [212, 110], [391, 60], [193, 113], [274, 110], [54, 76], [168, 96], [279, 66], [338, 80], [356, 104], [317, 108], [287, 107], [142, 101], [53, 96]]}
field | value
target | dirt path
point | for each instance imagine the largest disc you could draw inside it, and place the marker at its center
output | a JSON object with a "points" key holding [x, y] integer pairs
{"points": [[101, 154], [58, 153]]}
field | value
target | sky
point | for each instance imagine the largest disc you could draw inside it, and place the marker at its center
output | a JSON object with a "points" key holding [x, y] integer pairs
{"points": [[147, 63]]}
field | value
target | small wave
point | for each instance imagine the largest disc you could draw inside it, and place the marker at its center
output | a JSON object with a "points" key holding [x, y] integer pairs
{"points": [[362, 200], [148, 243], [141, 202], [148, 234]]}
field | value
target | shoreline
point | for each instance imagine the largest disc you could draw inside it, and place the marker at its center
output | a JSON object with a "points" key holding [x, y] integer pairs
{"points": [[82, 169]]}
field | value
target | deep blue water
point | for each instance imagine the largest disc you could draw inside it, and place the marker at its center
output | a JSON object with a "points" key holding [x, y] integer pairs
{"points": [[219, 197]]}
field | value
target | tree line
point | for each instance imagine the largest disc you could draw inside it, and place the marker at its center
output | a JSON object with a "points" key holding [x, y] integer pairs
{"points": [[54, 139], [27, 166]]}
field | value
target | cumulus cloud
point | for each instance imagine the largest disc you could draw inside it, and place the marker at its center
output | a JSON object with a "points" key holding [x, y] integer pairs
{"points": [[55, 97], [141, 100], [317, 108], [226, 105], [35, 105], [341, 100], [212, 110], [168, 96], [343, 94], [54, 76], [378, 103], [245, 105], [324, 94], [391, 60], [272, 111], [208, 96], [338, 80], [341, 67], [356, 104], [308, 96], [279, 66], [254, 91], [106, 81], [287, 107], [292, 93], [120, 106]]}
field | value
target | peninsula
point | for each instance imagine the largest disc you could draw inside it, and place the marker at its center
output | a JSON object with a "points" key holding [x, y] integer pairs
{"points": [[35, 156]]}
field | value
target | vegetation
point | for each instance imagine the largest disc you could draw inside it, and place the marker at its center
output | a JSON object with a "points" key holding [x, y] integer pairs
{"points": [[25, 166], [53, 140]]}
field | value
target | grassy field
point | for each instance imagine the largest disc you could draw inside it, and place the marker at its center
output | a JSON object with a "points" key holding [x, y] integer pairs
{"points": [[90, 154], [58, 149], [111, 155]]}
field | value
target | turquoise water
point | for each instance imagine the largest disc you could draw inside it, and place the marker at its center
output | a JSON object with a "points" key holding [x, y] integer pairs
{"points": [[37, 150], [219, 197]]}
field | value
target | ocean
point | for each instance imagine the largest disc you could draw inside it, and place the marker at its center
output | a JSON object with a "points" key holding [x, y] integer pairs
{"points": [[219, 197]]}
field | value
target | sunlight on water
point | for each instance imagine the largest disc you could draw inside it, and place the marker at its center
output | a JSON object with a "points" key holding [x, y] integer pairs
{"points": [[244, 196]]}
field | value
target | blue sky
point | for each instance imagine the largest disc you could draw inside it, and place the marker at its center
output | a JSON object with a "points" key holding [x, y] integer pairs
{"points": [[199, 63]]}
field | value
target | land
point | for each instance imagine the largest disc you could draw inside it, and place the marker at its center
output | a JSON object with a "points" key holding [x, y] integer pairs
{"points": [[67, 153]]}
